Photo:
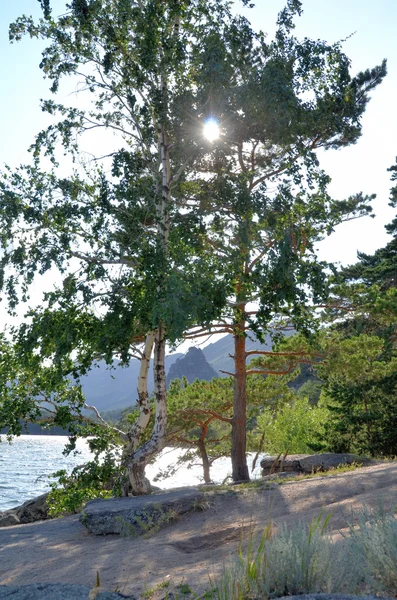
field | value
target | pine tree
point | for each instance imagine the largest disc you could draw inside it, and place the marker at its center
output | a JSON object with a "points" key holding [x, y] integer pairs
{"points": [[174, 235]]}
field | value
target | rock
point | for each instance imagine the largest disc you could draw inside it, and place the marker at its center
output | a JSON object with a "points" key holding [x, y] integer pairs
{"points": [[54, 591], [332, 597], [282, 475], [32, 510], [193, 365], [139, 514], [327, 461], [307, 463], [35, 509], [7, 519], [270, 464]]}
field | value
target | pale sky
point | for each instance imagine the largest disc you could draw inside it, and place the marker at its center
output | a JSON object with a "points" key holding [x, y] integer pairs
{"points": [[359, 168]]}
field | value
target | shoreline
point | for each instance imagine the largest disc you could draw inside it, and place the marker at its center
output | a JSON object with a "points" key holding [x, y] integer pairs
{"points": [[197, 544]]}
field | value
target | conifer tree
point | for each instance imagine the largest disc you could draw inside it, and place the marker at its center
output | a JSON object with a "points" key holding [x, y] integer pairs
{"points": [[173, 235], [361, 378]]}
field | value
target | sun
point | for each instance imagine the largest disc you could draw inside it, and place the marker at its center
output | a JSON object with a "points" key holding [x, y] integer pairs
{"points": [[211, 130]]}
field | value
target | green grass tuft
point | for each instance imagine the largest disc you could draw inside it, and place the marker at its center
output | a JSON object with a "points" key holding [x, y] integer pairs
{"points": [[305, 559]]}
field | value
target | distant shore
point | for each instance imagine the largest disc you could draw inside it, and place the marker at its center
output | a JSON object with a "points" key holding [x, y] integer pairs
{"points": [[34, 429]]}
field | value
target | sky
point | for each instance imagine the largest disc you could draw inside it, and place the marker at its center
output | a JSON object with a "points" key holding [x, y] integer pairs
{"points": [[362, 167]]}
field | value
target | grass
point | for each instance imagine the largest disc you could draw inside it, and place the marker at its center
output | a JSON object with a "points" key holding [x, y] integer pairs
{"points": [[306, 559], [263, 484], [184, 588], [149, 592], [227, 487], [330, 473]]}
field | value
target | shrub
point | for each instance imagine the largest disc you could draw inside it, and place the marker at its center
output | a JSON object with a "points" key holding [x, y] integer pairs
{"points": [[297, 426], [297, 560], [70, 492], [375, 539]]}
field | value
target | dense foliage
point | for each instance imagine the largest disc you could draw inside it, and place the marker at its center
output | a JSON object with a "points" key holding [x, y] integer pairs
{"points": [[295, 428], [360, 377], [171, 235]]}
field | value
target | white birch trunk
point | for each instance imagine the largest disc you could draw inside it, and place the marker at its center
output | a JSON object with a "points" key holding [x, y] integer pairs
{"points": [[145, 410], [136, 458]]}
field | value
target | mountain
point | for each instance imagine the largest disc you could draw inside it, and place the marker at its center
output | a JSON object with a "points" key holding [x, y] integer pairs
{"points": [[219, 354], [115, 389], [109, 389], [192, 365]]}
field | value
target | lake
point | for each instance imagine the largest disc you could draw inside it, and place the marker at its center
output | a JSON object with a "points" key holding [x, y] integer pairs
{"points": [[26, 464]]}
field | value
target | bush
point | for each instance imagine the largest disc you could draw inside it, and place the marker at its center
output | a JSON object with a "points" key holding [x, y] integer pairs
{"points": [[296, 427], [297, 560], [306, 559], [86, 482], [375, 539]]}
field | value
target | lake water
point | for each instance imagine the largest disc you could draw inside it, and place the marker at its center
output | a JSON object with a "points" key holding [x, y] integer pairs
{"points": [[26, 464]]}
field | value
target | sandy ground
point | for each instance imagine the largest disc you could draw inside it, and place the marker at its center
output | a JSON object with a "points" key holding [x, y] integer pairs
{"points": [[193, 548]]}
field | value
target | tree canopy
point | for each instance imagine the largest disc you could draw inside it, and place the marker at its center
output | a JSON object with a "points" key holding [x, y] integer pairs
{"points": [[171, 235]]}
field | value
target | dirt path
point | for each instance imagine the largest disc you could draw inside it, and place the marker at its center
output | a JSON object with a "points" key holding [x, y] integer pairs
{"points": [[191, 549]]}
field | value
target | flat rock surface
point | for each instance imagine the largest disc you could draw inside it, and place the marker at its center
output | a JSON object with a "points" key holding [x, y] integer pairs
{"points": [[332, 597], [53, 591], [309, 463], [138, 515], [192, 548], [8, 519]]}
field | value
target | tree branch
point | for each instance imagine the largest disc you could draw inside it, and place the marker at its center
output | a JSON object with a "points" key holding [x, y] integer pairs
{"points": [[123, 435]]}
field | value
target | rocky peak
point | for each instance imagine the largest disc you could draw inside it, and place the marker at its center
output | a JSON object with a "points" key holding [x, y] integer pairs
{"points": [[193, 365]]}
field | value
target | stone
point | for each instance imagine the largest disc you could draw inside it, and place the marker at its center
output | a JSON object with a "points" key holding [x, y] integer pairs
{"points": [[7, 519], [327, 461], [271, 465], [282, 475], [32, 510], [138, 515], [307, 463], [55, 591], [333, 597]]}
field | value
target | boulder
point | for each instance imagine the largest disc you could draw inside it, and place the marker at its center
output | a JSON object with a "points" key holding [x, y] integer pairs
{"points": [[308, 463], [321, 596], [54, 591], [282, 475], [327, 461], [138, 515], [35, 509], [8, 518], [291, 463]]}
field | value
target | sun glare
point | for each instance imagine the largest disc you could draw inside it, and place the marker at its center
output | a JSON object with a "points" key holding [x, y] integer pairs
{"points": [[211, 130]]}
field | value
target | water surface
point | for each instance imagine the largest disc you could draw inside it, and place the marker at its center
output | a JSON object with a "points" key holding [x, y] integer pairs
{"points": [[27, 463]]}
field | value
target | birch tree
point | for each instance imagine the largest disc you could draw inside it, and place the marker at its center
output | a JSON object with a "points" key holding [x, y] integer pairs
{"points": [[174, 235], [118, 229]]}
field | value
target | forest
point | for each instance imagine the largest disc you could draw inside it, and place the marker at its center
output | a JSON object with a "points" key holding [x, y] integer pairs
{"points": [[201, 219]]}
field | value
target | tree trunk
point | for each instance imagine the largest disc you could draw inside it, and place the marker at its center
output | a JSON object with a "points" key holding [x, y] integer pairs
{"points": [[239, 422], [160, 423], [137, 458], [205, 461], [140, 457], [138, 484], [145, 410]]}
